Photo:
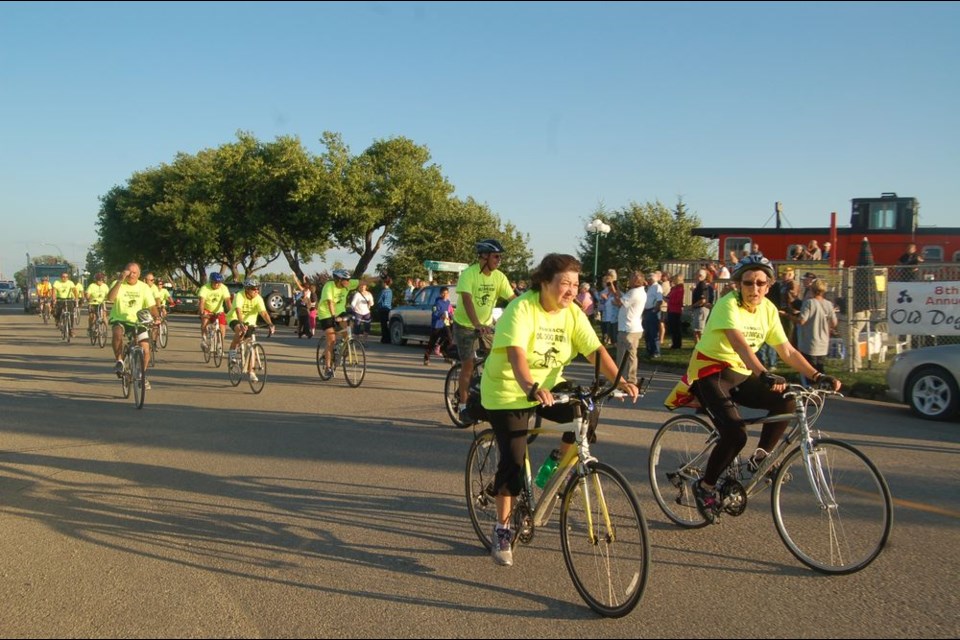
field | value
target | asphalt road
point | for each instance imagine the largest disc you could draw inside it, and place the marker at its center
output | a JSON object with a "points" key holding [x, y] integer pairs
{"points": [[314, 509]]}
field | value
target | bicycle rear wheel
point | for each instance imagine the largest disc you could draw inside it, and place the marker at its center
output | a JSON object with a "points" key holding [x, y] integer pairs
{"points": [[678, 458], [451, 395], [163, 334], [217, 348], [482, 461], [258, 367], [354, 363], [844, 529], [138, 378], [235, 367], [604, 539], [325, 374]]}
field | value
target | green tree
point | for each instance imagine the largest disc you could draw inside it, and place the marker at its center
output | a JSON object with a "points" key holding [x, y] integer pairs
{"points": [[643, 236]]}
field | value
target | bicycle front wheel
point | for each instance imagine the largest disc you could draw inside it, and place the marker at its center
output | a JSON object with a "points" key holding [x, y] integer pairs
{"points": [[258, 368], [354, 362], [482, 462], [834, 514], [138, 378], [126, 377], [451, 395], [102, 333], [678, 458], [325, 374], [162, 338], [604, 539], [235, 368], [216, 346]]}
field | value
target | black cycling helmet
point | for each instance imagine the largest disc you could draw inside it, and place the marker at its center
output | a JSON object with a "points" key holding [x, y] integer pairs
{"points": [[341, 274], [752, 262], [489, 246]]}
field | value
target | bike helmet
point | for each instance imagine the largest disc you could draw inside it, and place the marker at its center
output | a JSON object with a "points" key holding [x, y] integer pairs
{"points": [[341, 274], [216, 277], [752, 262], [489, 246], [251, 283], [144, 316]]}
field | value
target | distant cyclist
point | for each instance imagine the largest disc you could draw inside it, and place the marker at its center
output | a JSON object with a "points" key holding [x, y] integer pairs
{"points": [[44, 294], [64, 291], [724, 372], [214, 302], [331, 304], [96, 297], [129, 294], [247, 305], [479, 288]]}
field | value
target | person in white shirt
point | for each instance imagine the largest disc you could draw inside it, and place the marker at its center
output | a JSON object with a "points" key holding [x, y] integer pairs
{"points": [[630, 324], [651, 315], [361, 304]]}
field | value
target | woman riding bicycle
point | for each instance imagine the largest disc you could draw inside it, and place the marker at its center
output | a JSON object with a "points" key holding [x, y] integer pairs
{"points": [[539, 333], [724, 371]]}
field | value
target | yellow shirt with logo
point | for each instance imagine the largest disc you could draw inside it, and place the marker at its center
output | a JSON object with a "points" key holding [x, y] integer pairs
{"points": [[130, 299], [331, 291], [213, 299], [550, 340], [484, 290], [65, 290], [248, 308], [97, 293]]}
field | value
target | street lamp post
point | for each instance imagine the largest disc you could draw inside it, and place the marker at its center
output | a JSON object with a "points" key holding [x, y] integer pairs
{"points": [[597, 226]]}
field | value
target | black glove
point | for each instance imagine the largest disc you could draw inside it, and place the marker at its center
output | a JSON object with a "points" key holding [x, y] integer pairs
{"points": [[772, 379], [825, 382]]}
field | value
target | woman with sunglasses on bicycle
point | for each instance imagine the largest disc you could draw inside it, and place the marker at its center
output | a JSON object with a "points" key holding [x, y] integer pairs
{"points": [[724, 371], [539, 333]]}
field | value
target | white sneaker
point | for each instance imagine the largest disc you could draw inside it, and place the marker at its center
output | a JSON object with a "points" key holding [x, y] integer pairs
{"points": [[502, 550], [253, 377], [146, 384]]}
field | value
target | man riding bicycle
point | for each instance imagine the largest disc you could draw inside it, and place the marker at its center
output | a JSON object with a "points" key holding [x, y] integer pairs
{"points": [[332, 304], [64, 291], [247, 305], [130, 295], [96, 297], [214, 300], [44, 294], [724, 371], [479, 288]]}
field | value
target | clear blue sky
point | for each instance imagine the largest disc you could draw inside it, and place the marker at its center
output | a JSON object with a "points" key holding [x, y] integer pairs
{"points": [[545, 111]]}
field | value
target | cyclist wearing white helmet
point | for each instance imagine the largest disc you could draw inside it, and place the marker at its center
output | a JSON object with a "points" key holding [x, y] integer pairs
{"points": [[331, 304], [479, 288], [724, 371], [247, 305]]}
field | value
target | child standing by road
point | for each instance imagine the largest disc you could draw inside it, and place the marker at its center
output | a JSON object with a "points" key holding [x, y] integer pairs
{"points": [[440, 325]]}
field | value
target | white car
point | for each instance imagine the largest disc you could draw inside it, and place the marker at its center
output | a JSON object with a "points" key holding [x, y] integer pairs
{"points": [[926, 380], [9, 292]]}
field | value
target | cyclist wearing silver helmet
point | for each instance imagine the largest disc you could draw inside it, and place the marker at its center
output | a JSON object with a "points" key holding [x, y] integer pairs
{"points": [[724, 372], [247, 305], [332, 304], [479, 288]]}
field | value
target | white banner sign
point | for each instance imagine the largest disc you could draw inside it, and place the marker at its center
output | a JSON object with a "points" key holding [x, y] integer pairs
{"points": [[924, 308]]}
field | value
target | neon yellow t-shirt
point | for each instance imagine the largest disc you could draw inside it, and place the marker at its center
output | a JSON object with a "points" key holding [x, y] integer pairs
{"points": [[485, 290], [130, 299], [213, 299], [550, 340], [65, 290], [331, 291], [97, 293], [248, 308], [759, 327], [163, 297]]}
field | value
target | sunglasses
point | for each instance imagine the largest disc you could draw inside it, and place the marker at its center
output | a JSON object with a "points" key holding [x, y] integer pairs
{"points": [[754, 283]]}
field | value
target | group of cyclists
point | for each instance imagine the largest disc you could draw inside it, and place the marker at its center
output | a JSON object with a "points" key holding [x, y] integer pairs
{"points": [[539, 333]]}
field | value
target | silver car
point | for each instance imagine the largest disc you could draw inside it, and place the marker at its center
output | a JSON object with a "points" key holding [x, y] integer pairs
{"points": [[9, 292], [926, 380]]}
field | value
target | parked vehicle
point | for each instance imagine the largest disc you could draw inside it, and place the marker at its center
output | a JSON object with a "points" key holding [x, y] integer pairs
{"points": [[184, 301], [277, 296], [926, 380], [412, 321], [9, 292]]}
